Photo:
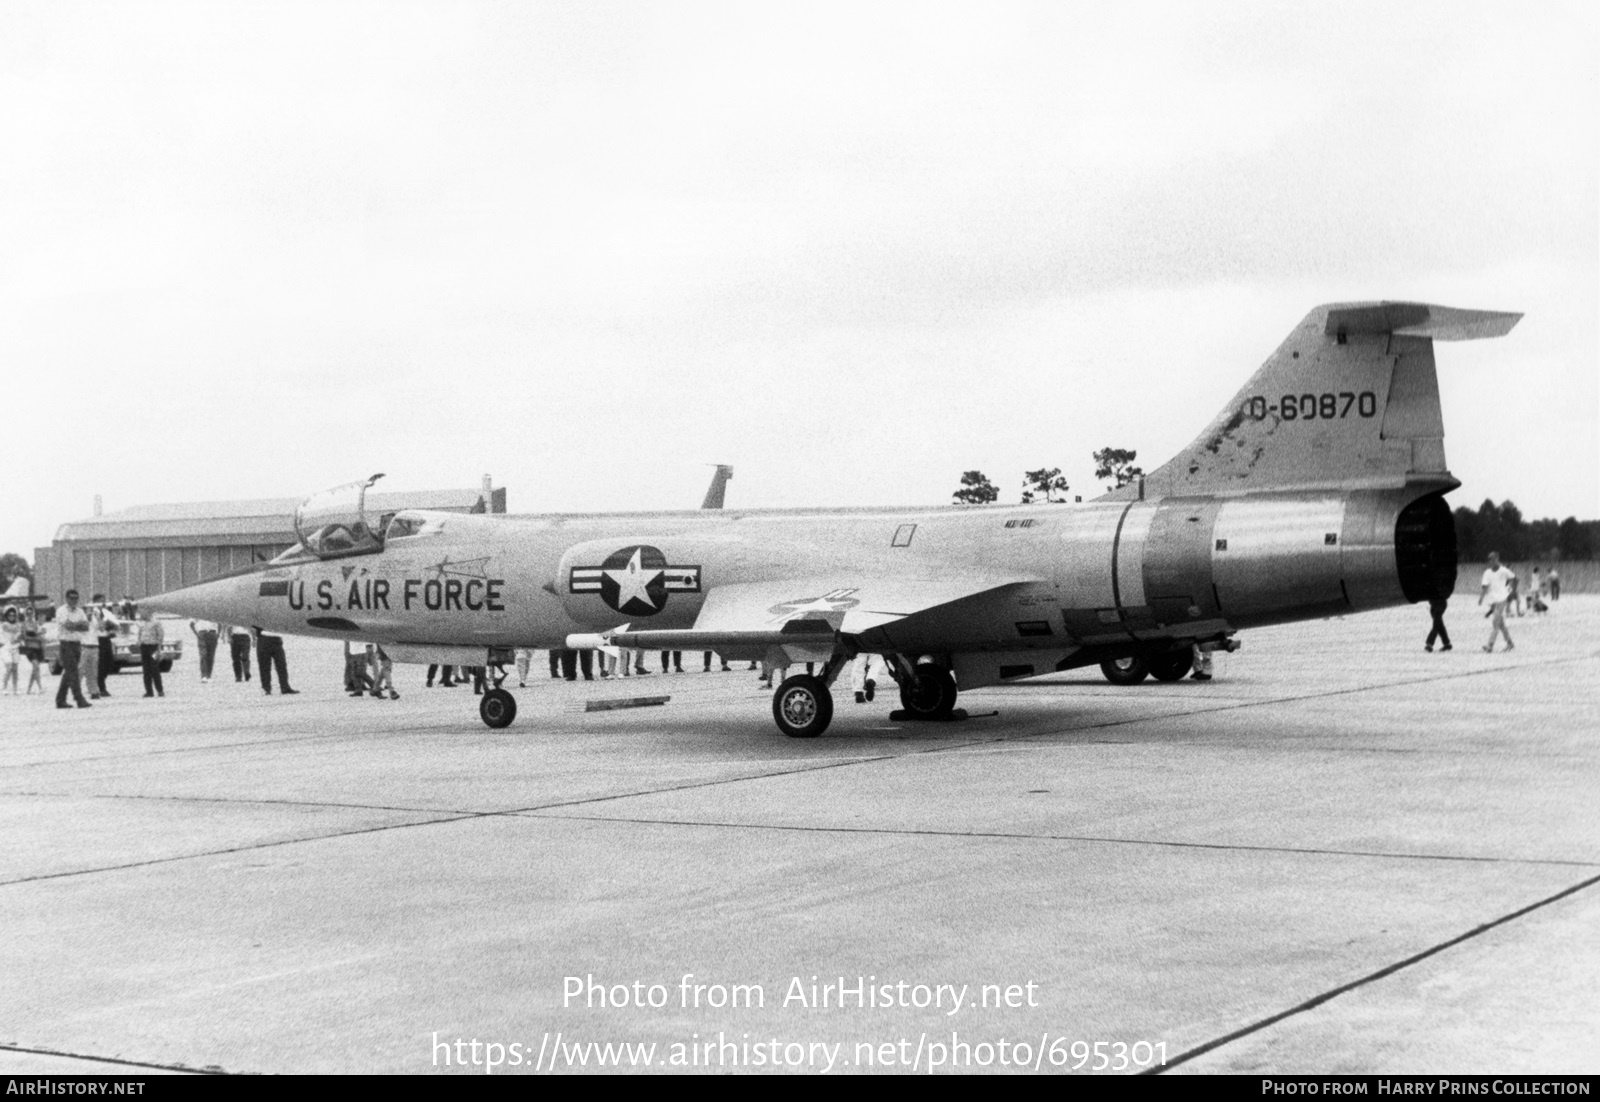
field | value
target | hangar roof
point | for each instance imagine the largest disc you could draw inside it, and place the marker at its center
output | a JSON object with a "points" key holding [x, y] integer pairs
{"points": [[268, 520]]}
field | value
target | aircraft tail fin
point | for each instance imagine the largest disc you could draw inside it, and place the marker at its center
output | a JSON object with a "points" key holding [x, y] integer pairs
{"points": [[1351, 398], [718, 487]]}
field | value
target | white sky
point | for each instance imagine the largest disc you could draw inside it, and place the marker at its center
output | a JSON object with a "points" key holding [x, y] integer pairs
{"points": [[254, 250]]}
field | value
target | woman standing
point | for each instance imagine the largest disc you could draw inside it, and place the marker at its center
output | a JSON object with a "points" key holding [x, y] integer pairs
{"points": [[33, 650], [151, 636], [10, 650]]}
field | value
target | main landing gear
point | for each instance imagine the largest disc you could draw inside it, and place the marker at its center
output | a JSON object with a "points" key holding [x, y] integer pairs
{"points": [[928, 692], [1168, 665], [1126, 671], [802, 706]]}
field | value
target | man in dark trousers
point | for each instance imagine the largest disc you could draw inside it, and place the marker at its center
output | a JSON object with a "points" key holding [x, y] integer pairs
{"points": [[269, 653], [239, 650], [72, 626], [1436, 606], [105, 632]]}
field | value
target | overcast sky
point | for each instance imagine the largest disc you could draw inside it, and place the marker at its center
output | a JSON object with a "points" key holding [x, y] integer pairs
{"points": [[254, 250]]}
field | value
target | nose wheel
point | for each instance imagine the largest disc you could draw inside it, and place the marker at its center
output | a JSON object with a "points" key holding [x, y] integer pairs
{"points": [[498, 708]]}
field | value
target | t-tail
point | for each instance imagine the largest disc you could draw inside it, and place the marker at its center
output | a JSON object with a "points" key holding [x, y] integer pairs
{"points": [[1327, 470]]}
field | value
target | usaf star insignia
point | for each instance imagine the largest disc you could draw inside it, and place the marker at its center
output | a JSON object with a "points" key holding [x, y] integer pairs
{"points": [[635, 581], [814, 608]]}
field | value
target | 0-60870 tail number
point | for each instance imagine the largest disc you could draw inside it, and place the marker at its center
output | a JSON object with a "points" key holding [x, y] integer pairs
{"points": [[1326, 406]]}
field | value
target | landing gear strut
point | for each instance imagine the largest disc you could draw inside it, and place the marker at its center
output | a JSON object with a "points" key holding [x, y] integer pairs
{"points": [[498, 708]]}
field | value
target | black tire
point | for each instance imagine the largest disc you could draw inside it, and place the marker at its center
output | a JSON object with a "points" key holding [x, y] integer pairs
{"points": [[1126, 671], [498, 708], [1171, 665], [802, 706], [930, 694], [165, 667]]}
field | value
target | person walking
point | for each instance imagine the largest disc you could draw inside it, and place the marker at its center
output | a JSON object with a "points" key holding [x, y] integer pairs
{"points": [[1498, 584], [382, 672], [205, 633], [151, 636], [862, 679], [33, 651], [10, 650], [239, 651], [72, 625], [89, 658], [269, 655], [104, 643], [1436, 607]]}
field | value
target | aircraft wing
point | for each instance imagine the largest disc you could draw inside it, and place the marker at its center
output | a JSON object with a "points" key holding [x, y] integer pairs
{"points": [[803, 615]]}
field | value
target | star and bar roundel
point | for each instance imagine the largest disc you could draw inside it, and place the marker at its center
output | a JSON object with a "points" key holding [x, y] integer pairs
{"points": [[636, 580]]}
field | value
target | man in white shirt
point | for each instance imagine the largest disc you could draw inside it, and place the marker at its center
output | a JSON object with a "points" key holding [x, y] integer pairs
{"points": [[205, 634], [72, 629], [1497, 581]]}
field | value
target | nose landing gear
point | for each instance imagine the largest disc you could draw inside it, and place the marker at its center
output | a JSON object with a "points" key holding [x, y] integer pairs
{"points": [[498, 708]]}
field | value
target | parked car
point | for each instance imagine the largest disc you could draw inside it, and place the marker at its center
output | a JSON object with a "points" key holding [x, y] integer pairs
{"points": [[124, 646]]}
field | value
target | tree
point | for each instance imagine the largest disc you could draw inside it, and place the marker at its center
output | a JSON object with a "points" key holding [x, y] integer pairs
{"points": [[976, 489], [1117, 463], [13, 566], [1576, 540], [1046, 481]]}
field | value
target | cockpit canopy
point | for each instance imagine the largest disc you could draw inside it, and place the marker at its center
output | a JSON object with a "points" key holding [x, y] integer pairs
{"points": [[335, 524]]}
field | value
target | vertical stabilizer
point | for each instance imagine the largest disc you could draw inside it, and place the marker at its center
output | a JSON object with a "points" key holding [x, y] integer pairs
{"points": [[718, 487], [1350, 399]]}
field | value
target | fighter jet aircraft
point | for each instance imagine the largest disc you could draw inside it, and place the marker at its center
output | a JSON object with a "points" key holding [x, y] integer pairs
{"points": [[1317, 491]]}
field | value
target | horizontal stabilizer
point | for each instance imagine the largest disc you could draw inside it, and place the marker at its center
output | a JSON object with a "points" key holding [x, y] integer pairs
{"points": [[1419, 319]]}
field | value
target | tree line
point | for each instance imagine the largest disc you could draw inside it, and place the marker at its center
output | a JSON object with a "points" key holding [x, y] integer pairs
{"points": [[1048, 483], [1502, 528], [1489, 527]]}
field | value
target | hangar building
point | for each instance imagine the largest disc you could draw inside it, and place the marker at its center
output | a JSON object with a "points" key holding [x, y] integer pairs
{"points": [[148, 549]]}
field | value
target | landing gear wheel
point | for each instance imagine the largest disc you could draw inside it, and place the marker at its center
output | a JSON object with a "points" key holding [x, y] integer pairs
{"points": [[498, 708], [165, 666], [802, 706], [1126, 671], [930, 694], [1171, 665]]}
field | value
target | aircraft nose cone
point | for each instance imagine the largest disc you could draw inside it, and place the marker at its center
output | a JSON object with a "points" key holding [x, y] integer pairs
{"points": [[224, 600]]}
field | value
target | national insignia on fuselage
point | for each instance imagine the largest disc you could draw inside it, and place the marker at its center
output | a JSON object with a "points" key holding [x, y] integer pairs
{"points": [[635, 580]]}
